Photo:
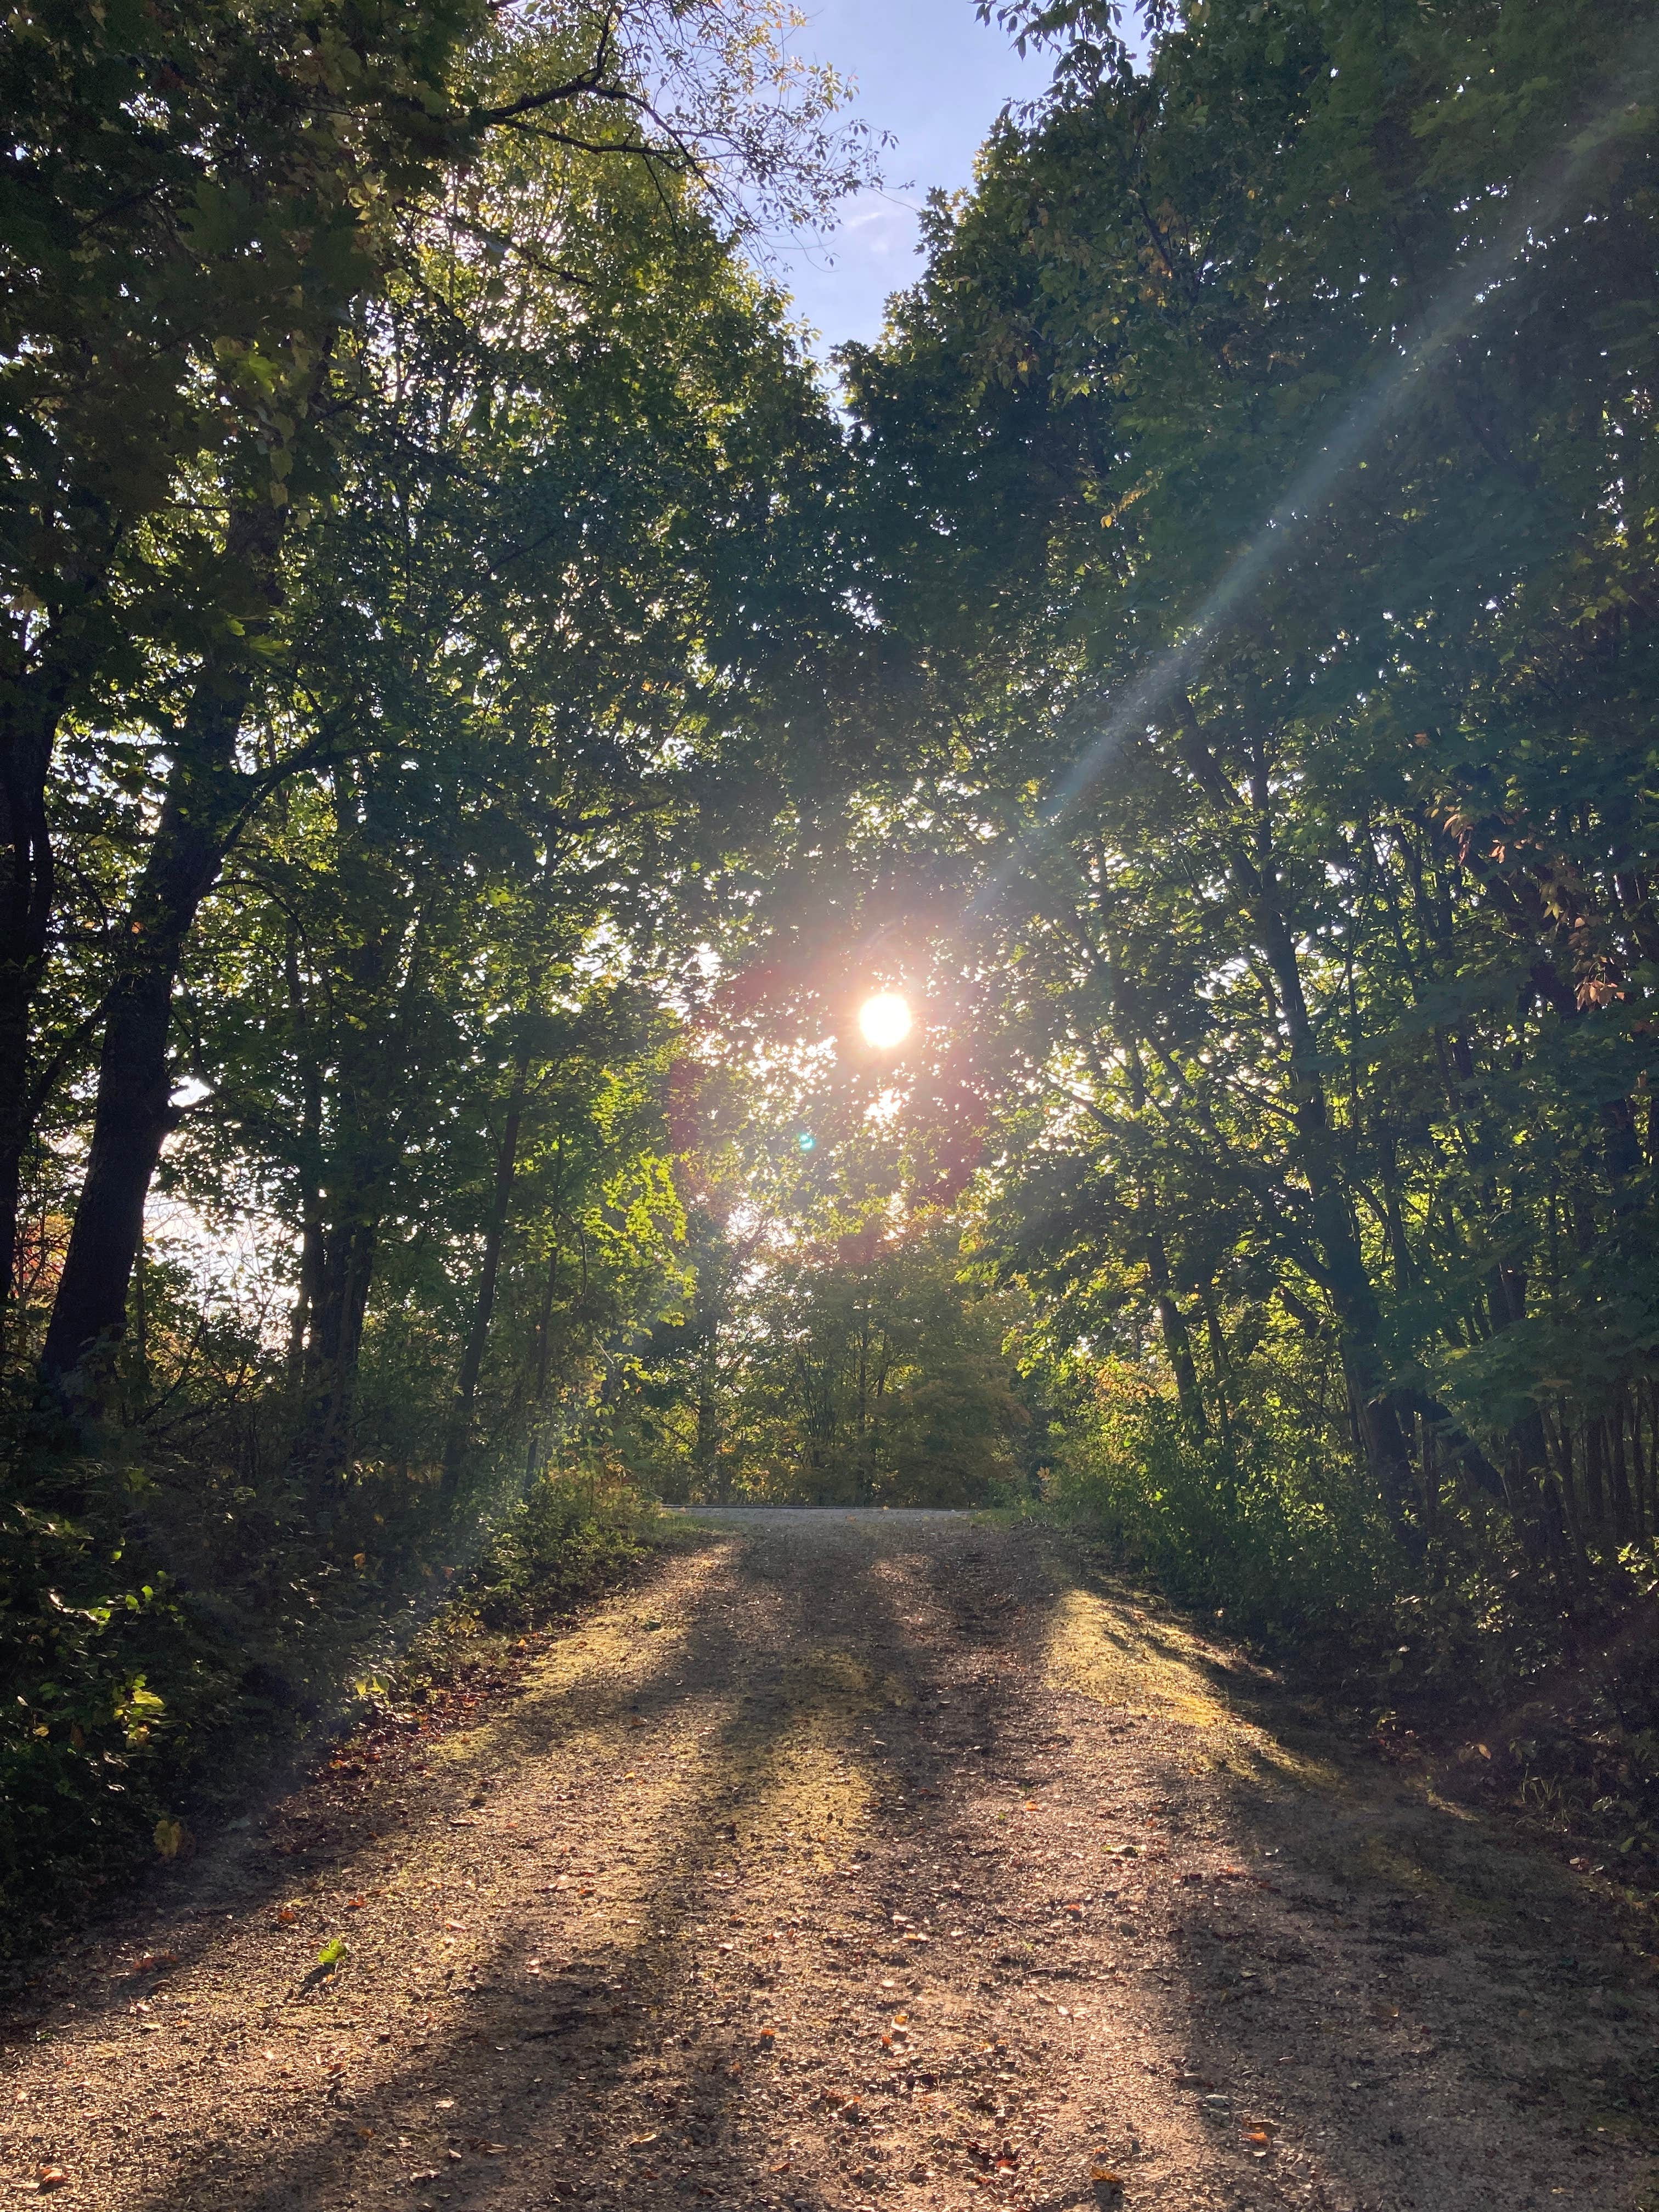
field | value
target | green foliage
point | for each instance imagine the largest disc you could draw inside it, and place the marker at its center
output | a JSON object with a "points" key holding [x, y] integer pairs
{"points": [[1264, 500], [111, 1686], [831, 1343], [574, 1533], [415, 547], [139, 1700], [1262, 1529], [875, 1375], [80, 1724]]}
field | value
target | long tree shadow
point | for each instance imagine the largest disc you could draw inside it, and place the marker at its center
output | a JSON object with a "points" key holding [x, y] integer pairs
{"points": [[829, 1735], [1376, 1981], [633, 2029]]}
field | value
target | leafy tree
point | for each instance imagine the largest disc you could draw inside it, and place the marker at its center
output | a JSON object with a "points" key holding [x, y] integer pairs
{"points": [[1257, 475], [461, 196]]}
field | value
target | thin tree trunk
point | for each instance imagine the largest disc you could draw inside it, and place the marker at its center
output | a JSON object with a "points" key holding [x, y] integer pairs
{"points": [[1352, 1292], [1558, 1435], [1428, 1461], [1249, 846], [1220, 1363], [1595, 1487], [310, 1160], [334, 1346], [32, 702], [310, 1284], [1621, 1498], [466, 1387], [544, 1350], [1172, 1322]]}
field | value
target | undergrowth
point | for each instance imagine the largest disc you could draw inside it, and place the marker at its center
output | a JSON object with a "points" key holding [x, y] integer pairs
{"points": [[1543, 1689], [151, 1685]]}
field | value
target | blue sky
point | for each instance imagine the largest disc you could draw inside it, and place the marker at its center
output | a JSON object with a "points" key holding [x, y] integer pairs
{"points": [[934, 76]]}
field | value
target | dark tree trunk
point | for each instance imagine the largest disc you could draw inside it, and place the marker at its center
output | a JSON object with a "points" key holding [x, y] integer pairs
{"points": [[466, 1387], [1622, 1521], [1252, 865], [1595, 1488], [310, 1276], [31, 705], [310, 1169], [333, 1347], [543, 1365], [544, 1326], [205, 796], [1220, 1362], [1177, 1341], [1559, 1434], [355, 1190], [1172, 1322], [1383, 1431]]}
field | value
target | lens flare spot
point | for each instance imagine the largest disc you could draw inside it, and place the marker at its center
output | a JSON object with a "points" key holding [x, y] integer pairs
{"points": [[884, 1020]]}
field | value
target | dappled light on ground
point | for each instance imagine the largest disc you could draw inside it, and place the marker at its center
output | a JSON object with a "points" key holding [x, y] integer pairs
{"points": [[854, 1860]]}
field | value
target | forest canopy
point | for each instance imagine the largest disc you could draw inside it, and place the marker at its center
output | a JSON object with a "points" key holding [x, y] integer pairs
{"points": [[480, 719]]}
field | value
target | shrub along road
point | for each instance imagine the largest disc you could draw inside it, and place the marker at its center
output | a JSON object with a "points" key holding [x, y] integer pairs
{"points": [[850, 1861]]}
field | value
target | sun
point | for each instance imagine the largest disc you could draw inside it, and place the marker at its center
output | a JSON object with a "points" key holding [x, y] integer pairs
{"points": [[884, 1020]]}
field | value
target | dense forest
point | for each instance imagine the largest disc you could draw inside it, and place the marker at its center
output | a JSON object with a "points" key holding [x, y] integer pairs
{"points": [[482, 717]]}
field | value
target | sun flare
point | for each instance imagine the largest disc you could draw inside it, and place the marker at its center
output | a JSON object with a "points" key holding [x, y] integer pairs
{"points": [[884, 1020]]}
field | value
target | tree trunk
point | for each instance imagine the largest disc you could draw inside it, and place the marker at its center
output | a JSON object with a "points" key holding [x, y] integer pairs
{"points": [[1382, 1433], [466, 1387], [1595, 1488], [1172, 1322], [1177, 1342], [310, 1163], [334, 1346], [205, 795], [544, 1362], [31, 705], [1249, 850], [1622, 1523]]}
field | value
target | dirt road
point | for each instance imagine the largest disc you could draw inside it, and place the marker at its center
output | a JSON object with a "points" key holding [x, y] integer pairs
{"points": [[853, 1862]]}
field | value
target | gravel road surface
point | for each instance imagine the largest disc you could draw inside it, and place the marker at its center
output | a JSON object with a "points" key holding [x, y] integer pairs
{"points": [[852, 1861]]}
